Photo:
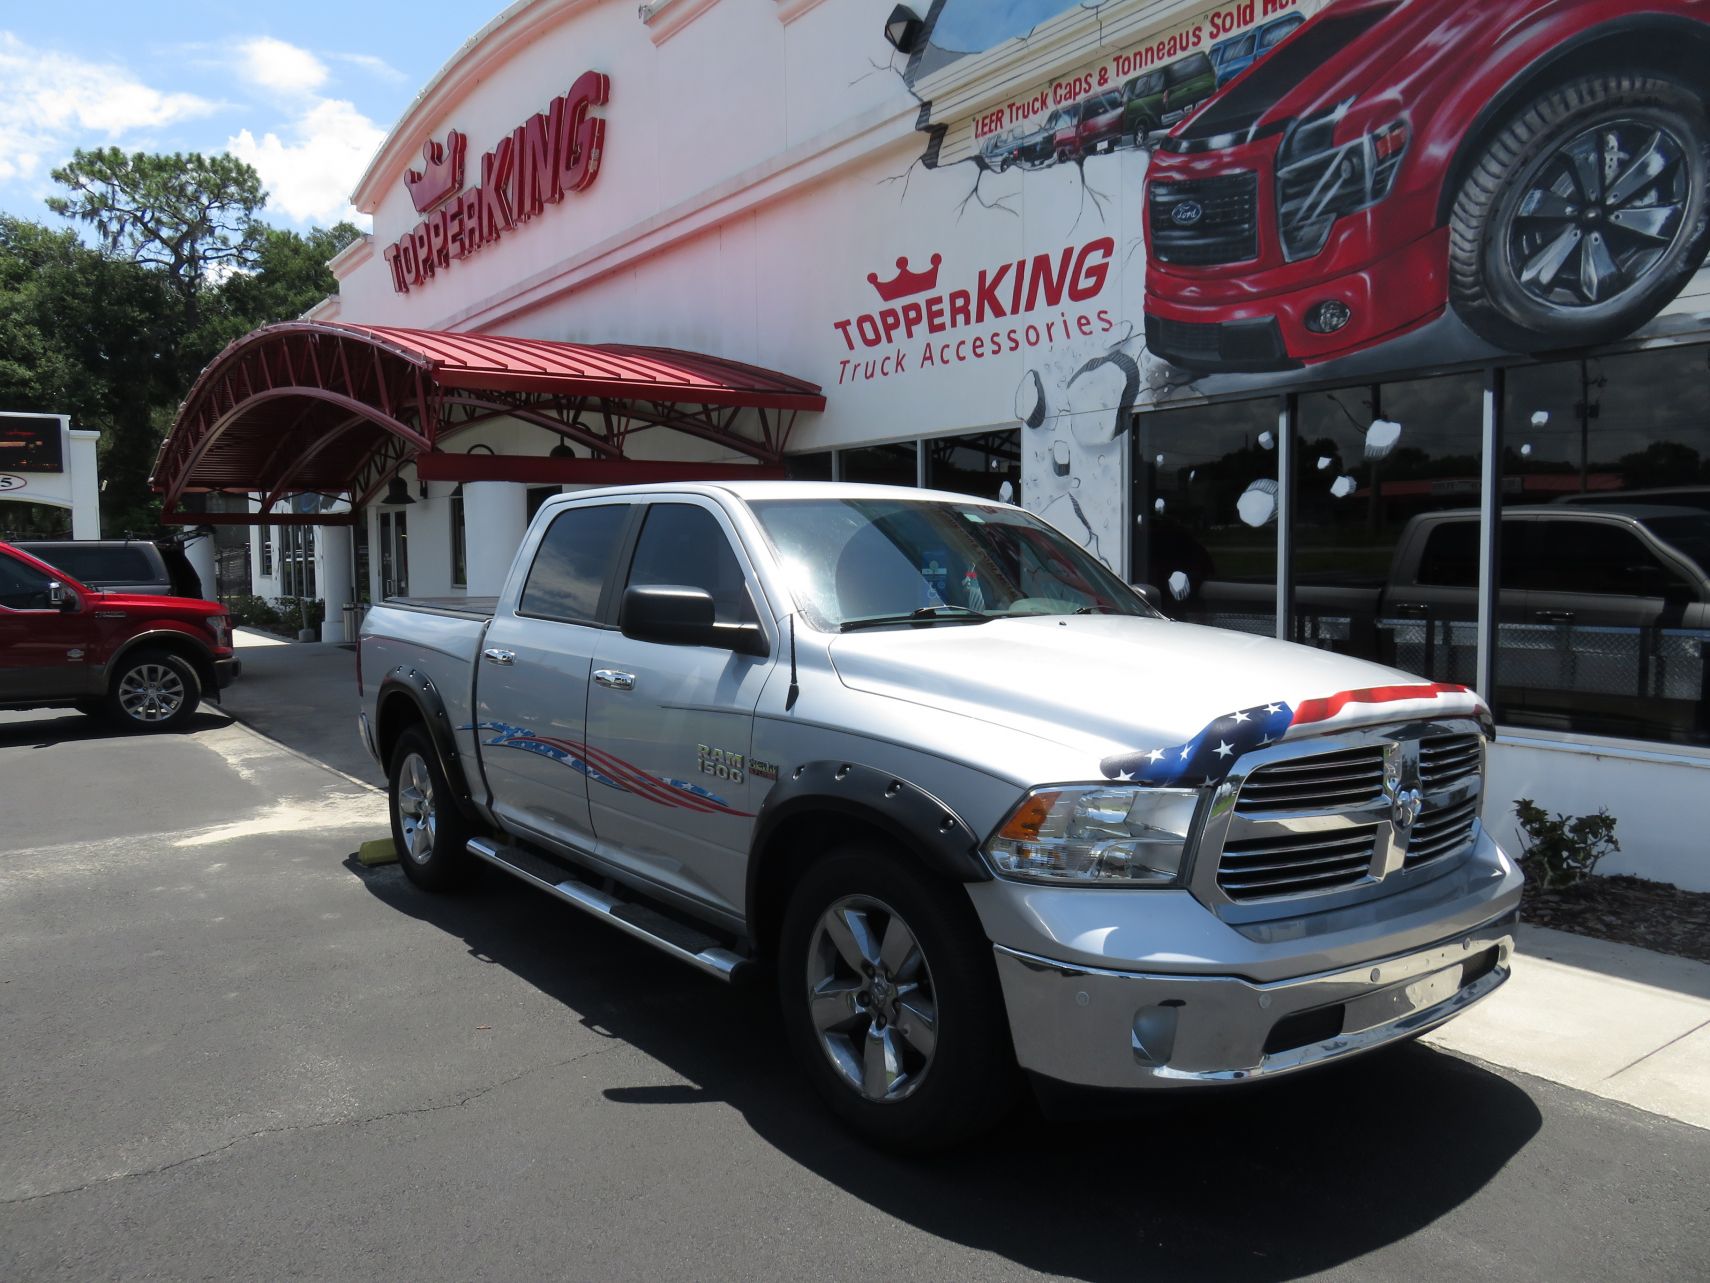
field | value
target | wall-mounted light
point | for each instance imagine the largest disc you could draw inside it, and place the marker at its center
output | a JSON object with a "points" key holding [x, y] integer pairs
{"points": [[397, 494], [903, 29], [561, 451]]}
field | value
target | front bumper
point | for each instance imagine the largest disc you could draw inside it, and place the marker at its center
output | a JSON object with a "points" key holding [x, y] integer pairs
{"points": [[1123, 1029], [227, 671], [1209, 321]]}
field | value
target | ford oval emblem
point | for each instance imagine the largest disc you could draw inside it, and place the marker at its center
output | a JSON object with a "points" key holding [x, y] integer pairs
{"points": [[1187, 213]]}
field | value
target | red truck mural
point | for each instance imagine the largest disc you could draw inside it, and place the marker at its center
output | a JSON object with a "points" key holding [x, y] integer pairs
{"points": [[1537, 166]]}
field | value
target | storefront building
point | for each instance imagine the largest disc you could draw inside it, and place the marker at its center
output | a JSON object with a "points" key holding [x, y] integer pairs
{"points": [[1381, 326]]}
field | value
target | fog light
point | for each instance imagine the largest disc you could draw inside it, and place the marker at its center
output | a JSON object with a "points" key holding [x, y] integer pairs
{"points": [[1329, 316], [1154, 1036]]}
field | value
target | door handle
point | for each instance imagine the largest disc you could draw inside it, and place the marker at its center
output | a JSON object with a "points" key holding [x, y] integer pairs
{"points": [[1411, 610], [614, 679], [1553, 616], [495, 656]]}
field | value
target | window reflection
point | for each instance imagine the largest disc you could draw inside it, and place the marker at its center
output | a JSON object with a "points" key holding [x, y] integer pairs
{"points": [[1606, 531], [987, 464], [883, 465], [1205, 510], [1386, 526]]}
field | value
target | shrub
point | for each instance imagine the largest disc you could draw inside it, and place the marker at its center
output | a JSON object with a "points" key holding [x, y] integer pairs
{"points": [[251, 611], [1563, 850]]}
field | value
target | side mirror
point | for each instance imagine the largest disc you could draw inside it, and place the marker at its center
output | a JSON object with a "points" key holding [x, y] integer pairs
{"points": [[678, 616], [58, 598], [1150, 595]]}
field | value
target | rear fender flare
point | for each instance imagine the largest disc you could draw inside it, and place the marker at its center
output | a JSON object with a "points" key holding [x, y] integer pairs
{"points": [[417, 687]]}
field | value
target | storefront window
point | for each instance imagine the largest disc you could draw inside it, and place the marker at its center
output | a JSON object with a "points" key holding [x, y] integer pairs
{"points": [[1205, 512], [459, 542], [1386, 494], [987, 464], [1605, 599], [882, 465], [808, 467]]}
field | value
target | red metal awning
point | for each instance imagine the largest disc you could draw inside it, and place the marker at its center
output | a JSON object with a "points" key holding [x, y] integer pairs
{"points": [[330, 408]]}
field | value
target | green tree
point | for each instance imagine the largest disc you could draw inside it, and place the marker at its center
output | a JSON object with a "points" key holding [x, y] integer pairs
{"points": [[190, 216], [289, 276]]}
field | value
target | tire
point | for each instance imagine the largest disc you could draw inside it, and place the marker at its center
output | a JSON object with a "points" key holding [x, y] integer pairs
{"points": [[428, 830], [916, 1054], [153, 690], [1532, 268]]}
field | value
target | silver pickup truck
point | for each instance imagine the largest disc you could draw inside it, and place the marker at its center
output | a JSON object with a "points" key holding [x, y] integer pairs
{"points": [[964, 792]]}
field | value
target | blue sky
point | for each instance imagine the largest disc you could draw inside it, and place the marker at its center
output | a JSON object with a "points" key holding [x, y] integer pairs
{"points": [[304, 90]]}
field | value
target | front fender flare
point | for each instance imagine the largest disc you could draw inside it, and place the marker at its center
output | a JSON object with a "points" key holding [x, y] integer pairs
{"points": [[917, 820]]}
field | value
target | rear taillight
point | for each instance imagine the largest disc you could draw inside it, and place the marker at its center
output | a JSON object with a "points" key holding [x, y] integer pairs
{"points": [[359, 690]]}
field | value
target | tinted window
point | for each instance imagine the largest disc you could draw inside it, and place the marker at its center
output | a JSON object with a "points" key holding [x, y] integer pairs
{"points": [[1586, 557], [1150, 83], [96, 565], [684, 545], [1450, 559], [1688, 534], [1193, 68], [1239, 47], [1271, 37], [571, 566], [22, 587]]}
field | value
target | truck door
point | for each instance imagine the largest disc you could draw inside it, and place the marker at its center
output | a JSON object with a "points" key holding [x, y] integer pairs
{"points": [[531, 677], [673, 795], [43, 649]]}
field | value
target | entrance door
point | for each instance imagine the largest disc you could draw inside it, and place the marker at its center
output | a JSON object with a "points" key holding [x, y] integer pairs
{"points": [[394, 555], [670, 726], [531, 679]]}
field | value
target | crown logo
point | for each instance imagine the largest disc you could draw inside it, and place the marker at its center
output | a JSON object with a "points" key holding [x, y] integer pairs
{"points": [[906, 282], [443, 174]]}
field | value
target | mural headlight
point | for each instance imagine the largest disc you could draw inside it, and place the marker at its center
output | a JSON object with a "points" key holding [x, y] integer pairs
{"points": [[1320, 180], [1329, 316]]}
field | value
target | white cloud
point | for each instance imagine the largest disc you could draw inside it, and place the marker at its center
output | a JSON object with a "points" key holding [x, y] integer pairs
{"points": [[50, 102], [368, 62], [310, 173], [283, 68]]}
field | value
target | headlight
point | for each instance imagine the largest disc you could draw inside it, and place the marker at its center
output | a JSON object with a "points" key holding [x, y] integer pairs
{"points": [[221, 627], [1319, 181], [1109, 835]]}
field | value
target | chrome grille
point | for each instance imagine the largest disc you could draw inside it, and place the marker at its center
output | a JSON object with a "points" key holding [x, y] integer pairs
{"points": [[1327, 782], [1291, 863], [1441, 831], [1443, 759]]}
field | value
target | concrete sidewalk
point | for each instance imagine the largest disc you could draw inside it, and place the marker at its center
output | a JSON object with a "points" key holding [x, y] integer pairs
{"points": [[1622, 1023]]}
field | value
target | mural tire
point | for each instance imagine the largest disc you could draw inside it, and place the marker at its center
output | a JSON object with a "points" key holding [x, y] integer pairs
{"points": [[970, 1081], [1484, 290], [429, 833]]}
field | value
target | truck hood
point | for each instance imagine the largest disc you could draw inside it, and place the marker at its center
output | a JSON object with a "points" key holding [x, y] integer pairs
{"points": [[159, 607], [1110, 684]]}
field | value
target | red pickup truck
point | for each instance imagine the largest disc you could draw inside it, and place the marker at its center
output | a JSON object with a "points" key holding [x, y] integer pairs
{"points": [[145, 662]]}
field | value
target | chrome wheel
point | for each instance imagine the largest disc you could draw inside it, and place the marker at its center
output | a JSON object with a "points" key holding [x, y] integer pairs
{"points": [[151, 693], [1599, 213], [416, 815], [871, 998]]}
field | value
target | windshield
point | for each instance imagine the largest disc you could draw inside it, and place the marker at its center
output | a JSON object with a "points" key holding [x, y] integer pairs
{"points": [[1691, 535], [856, 562]]}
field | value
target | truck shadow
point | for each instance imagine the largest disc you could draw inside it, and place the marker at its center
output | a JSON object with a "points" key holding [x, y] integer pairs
{"points": [[50, 726], [1268, 1182]]}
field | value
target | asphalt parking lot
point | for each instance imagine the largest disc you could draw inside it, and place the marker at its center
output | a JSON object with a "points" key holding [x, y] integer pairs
{"points": [[232, 1051]]}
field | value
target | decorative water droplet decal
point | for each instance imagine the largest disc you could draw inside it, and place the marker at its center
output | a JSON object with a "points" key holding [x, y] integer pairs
{"points": [[1006, 493], [1526, 449], [1540, 418], [1158, 505], [1343, 486], [1381, 438], [1323, 462], [1267, 440], [1257, 506], [1179, 586], [1160, 461], [1192, 473], [1030, 400], [1060, 458]]}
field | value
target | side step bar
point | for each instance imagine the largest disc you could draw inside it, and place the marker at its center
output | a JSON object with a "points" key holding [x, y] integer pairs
{"points": [[678, 939]]}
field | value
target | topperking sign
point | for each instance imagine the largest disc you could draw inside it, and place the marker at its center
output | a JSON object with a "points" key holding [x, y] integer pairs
{"points": [[551, 154]]}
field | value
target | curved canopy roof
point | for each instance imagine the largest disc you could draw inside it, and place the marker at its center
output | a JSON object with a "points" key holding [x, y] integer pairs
{"points": [[319, 406]]}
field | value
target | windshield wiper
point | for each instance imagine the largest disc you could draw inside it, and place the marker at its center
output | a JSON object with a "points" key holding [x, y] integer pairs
{"points": [[925, 615]]}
